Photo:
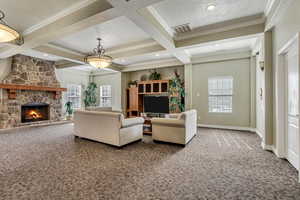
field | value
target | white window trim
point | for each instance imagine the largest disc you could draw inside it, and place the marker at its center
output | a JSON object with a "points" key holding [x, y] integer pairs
{"points": [[223, 95], [105, 96], [74, 96]]}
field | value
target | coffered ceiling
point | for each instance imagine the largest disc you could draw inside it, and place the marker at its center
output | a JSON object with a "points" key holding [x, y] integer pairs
{"points": [[133, 32], [113, 33], [194, 12], [24, 14]]}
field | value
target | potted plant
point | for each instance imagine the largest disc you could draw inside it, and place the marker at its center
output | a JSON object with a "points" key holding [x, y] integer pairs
{"points": [[154, 75], [69, 110], [177, 94], [132, 84]]}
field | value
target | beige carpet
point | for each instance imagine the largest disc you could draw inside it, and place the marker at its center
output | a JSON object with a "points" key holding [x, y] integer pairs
{"points": [[48, 163]]}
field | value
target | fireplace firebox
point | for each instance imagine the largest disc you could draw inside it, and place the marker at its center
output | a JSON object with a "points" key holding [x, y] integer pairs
{"points": [[33, 112]]}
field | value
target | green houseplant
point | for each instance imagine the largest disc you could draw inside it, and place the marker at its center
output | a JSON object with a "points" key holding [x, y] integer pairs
{"points": [[69, 109], [155, 75], [90, 95], [133, 83], [177, 93]]}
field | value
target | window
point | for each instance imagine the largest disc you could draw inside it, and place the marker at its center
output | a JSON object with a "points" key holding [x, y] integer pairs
{"points": [[220, 92], [105, 96], [74, 95]]}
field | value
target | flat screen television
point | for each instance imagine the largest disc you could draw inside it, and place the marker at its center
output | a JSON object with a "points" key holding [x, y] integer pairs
{"points": [[156, 104]]}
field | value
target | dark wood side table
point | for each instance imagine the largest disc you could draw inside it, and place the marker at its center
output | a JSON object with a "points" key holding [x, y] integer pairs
{"points": [[147, 128]]}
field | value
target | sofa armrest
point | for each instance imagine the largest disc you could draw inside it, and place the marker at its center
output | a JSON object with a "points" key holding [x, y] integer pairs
{"points": [[172, 116], [168, 122], [132, 122]]}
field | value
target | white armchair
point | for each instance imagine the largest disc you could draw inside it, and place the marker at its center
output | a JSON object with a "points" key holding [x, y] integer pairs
{"points": [[107, 127], [179, 129]]}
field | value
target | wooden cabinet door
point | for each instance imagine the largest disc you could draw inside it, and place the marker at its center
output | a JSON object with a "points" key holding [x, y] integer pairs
{"points": [[133, 99]]}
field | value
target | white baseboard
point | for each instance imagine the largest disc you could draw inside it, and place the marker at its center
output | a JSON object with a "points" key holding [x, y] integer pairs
{"points": [[267, 147], [258, 133], [238, 128]]}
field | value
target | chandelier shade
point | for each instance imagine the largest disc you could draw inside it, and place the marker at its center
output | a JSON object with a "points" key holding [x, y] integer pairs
{"points": [[99, 62], [99, 59], [7, 34]]}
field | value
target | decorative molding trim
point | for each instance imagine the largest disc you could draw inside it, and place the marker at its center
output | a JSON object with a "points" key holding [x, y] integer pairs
{"points": [[55, 46], [267, 147], [223, 26], [133, 46], [259, 133], [276, 11], [103, 73], [59, 15], [222, 56], [161, 20], [153, 64], [269, 7], [237, 128], [286, 47]]}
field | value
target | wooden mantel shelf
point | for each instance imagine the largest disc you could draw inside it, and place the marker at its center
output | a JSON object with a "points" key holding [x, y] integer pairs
{"points": [[12, 88]]}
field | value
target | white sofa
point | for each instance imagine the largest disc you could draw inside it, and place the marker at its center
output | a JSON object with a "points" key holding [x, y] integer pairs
{"points": [[178, 128], [102, 109], [107, 127]]}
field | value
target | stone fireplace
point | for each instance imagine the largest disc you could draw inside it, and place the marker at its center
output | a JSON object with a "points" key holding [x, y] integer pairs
{"points": [[30, 106]]}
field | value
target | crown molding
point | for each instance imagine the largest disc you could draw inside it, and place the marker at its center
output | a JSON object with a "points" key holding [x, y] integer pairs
{"points": [[269, 7], [276, 11], [133, 46], [55, 46], [235, 54], [59, 15], [223, 26], [171, 62]]}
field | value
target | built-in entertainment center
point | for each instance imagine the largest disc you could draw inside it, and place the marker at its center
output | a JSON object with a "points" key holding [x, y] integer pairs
{"points": [[148, 99]]}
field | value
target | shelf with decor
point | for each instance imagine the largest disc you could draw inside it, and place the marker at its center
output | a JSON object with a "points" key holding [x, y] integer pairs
{"points": [[153, 87]]}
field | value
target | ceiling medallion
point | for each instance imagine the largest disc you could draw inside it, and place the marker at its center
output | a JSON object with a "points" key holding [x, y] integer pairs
{"points": [[99, 59], [8, 34]]}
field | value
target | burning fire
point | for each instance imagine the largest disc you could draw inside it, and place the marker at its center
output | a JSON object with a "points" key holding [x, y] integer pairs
{"points": [[34, 115]]}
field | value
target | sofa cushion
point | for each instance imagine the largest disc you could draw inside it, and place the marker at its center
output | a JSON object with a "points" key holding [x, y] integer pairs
{"points": [[132, 122], [168, 122]]}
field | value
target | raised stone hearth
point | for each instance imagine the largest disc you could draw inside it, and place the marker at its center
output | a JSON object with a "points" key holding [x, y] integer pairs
{"points": [[33, 72]]}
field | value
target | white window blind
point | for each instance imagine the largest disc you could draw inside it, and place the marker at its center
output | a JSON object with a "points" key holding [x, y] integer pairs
{"points": [[74, 95], [220, 92], [105, 96]]}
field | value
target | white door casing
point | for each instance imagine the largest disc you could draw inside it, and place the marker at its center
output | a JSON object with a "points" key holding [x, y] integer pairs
{"points": [[292, 67], [283, 139]]}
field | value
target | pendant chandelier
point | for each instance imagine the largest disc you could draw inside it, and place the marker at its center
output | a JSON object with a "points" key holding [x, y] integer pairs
{"points": [[8, 34], [99, 59]]}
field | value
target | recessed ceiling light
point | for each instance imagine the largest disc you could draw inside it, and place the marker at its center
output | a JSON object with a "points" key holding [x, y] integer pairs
{"points": [[157, 55], [46, 55], [211, 7]]}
